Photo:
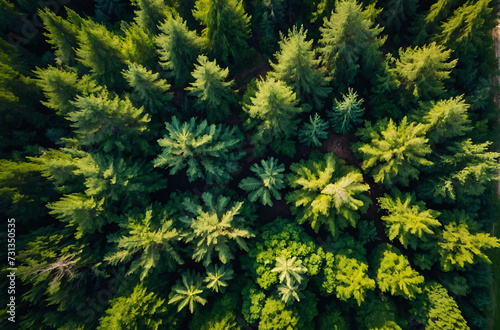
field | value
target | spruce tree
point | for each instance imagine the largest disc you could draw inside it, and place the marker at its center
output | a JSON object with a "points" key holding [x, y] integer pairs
{"points": [[346, 113], [273, 108], [208, 151], [213, 94], [314, 130], [226, 28], [394, 153], [138, 46], [298, 67], [178, 49], [150, 13], [61, 34]]}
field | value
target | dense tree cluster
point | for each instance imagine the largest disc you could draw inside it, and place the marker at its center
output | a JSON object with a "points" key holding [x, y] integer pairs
{"points": [[279, 164]]}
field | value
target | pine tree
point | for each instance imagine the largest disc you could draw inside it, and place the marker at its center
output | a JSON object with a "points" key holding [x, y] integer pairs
{"points": [[214, 227], [146, 237], [62, 87], [269, 182], [217, 276], [61, 34], [208, 151], [461, 244], [178, 49], [213, 94], [408, 220], [327, 193], [311, 132], [100, 50], [148, 89], [395, 274], [188, 293], [267, 40], [150, 13], [346, 113], [447, 119], [138, 46], [298, 67], [437, 310], [226, 28], [273, 109], [349, 44], [394, 152], [106, 123], [422, 70], [396, 13], [347, 278]]}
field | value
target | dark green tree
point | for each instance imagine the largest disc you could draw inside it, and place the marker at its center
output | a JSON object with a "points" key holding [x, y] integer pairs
{"points": [[311, 132], [61, 34], [346, 113], [188, 292]]}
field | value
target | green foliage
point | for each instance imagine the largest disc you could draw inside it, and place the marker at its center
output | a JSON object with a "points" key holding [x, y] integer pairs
{"points": [[422, 70], [217, 276], [447, 119], [208, 151], [226, 28], [147, 89], [188, 292], [253, 302], [138, 46], [311, 133], [408, 220], [289, 269], [222, 315], [61, 34], [269, 182], [214, 227], [346, 113], [273, 108], [150, 13], [276, 316], [327, 193], [213, 94], [347, 277], [298, 67], [289, 292], [394, 153], [460, 244], [332, 319], [395, 274], [436, 309], [144, 238], [142, 309], [348, 44], [178, 48]]}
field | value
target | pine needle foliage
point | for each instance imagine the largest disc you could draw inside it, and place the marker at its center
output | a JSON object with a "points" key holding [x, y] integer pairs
{"points": [[178, 48], [327, 193], [146, 238], [213, 94], [270, 180], [298, 67], [408, 220], [61, 34], [394, 153], [150, 13], [313, 131], [214, 227], [138, 46], [208, 151], [188, 292], [346, 113]]}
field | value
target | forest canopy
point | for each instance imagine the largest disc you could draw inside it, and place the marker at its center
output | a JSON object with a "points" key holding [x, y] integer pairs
{"points": [[236, 164]]}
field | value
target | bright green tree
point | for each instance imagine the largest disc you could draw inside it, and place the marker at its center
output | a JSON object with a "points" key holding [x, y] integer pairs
{"points": [[148, 89], [437, 310], [188, 292], [461, 244], [408, 220], [394, 153], [178, 48], [422, 70], [395, 274], [217, 276], [214, 227], [447, 119], [61, 34], [267, 185], [327, 193], [146, 237], [349, 45], [150, 13], [273, 109], [226, 28], [314, 130], [208, 151], [138, 46], [276, 316], [346, 113], [289, 269], [298, 67], [213, 94], [289, 292]]}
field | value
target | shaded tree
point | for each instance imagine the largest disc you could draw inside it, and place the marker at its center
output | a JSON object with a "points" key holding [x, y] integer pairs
{"points": [[346, 113], [188, 292], [217, 276], [314, 130]]}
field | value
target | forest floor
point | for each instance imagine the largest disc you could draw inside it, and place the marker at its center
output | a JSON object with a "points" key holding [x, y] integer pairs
{"points": [[495, 255]]}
